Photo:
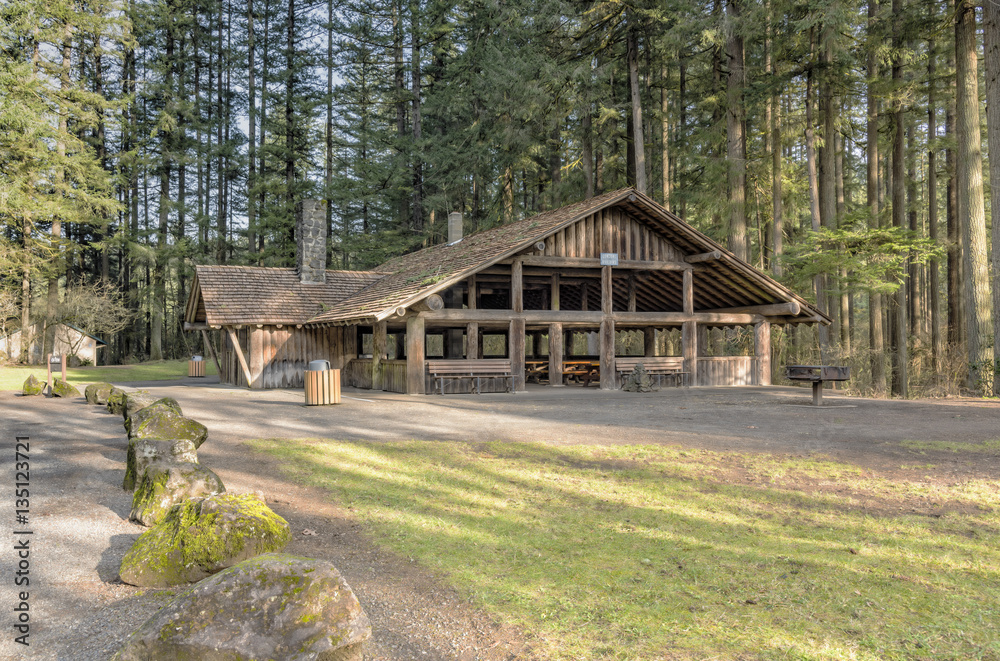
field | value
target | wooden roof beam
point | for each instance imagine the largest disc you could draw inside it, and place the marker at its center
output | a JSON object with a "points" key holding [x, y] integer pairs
{"points": [[592, 263], [710, 256], [791, 308]]}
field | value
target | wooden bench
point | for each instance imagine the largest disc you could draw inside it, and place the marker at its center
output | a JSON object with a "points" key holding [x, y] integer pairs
{"points": [[658, 366], [471, 369]]}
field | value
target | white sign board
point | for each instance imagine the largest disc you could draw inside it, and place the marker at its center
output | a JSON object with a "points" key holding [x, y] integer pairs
{"points": [[609, 259]]}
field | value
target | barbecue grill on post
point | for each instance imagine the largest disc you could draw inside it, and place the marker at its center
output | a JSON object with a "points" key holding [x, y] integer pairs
{"points": [[817, 374]]}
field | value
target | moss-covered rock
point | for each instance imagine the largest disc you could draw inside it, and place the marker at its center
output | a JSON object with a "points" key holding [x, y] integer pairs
{"points": [[166, 423], [162, 405], [271, 607], [32, 386], [116, 401], [98, 393], [144, 451], [198, 538], [136, 401], [62, 389], [164, 484]]}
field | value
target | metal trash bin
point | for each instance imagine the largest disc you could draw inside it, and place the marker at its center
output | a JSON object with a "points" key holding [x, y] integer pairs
{"points": [[196, 366], [322, 384]]}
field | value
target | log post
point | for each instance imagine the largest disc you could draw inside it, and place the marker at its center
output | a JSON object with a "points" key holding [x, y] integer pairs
{"points": [[554, 294], [607, 332], [689, 349], [378, 354], [235, 340], [515, 341], [472, 340], [762, 350], [631, 293], [555, 354], [415, 355], [257, 358], [517, 286], [649, 342], [687, 284]]}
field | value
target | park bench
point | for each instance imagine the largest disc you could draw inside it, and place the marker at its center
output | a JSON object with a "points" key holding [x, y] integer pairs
{"points": [[658, 366], [471, 369]]}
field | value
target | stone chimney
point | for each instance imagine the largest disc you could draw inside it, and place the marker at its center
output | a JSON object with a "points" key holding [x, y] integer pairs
{"points": [[310, 237], [454, 226]]}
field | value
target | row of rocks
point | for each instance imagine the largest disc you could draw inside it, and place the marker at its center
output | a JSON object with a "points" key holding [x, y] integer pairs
{"points": [[248, 601], [32, 386]]}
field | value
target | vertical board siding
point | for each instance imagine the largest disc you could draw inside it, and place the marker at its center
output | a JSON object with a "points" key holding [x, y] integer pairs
{"points": [[629, 238], [285, 354], [725, 371]]}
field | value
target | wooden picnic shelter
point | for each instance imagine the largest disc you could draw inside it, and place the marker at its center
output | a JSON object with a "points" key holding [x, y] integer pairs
{"points": [[495, 309]]}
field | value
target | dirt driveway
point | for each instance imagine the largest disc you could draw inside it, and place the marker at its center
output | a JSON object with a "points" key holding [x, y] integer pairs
{"points": [[79, 513]]}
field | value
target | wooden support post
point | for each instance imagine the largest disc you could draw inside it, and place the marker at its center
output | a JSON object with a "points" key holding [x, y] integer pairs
{"points": [[515, 341], [239, 354], [584, 296], [762, 350], [555, 354], [631, 293], [211, 351], [687, 292], [689, 349], [472, 341], [257, 358], [607, 337], [378, 354], [415, 355], [554, 294], [516, 287], [606, 290], [702, 340], [649, 342]]}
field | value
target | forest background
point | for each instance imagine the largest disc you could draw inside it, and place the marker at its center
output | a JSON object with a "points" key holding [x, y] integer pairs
{"points": [[837, 145]]}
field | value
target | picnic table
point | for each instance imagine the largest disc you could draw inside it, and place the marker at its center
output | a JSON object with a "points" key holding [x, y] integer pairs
{"points": [[583, 371], [536, 370]]}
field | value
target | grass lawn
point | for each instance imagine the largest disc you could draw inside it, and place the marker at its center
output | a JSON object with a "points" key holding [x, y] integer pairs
{"points": [[661, 553], [12, 377]]}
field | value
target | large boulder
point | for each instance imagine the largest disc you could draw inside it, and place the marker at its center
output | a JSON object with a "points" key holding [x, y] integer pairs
{"points": [[144, 451], [116, 401], [135, 401], [61, 388], [32, 386], [162, 405], [169, 424], [98, 393], [164, 484], [198, 538], [271, 607]]}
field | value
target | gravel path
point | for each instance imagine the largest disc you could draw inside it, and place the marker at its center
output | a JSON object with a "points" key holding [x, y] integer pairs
{"points": [[80, 611]]}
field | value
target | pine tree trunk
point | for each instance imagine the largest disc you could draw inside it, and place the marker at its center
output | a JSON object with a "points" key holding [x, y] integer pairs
{"points": [[956, 318], [417, 210], [252, 135], [991, 34], [664, 137], [932, 208], [897, 307], [828, 173], [971, 208], [736, 146], [639, 150]]}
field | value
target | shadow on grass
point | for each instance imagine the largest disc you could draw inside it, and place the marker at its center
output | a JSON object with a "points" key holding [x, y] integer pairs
{"points": [[637, 553]]}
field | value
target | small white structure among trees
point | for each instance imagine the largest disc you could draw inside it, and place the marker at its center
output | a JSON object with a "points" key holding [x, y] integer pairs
{"points": [[68, 340]]}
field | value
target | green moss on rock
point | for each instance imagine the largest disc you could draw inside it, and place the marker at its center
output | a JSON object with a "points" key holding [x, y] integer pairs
{"points": [[116, 401], [138, 400], [162, 405], [164, 484], [200, 537], [144, 451], [249, 612], [166, 423], [98, 393], [61, 388], [32, 386]]}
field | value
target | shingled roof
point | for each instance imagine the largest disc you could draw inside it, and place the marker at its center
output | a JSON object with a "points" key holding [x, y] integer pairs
{"points": [[415, 276], [224, 295]]}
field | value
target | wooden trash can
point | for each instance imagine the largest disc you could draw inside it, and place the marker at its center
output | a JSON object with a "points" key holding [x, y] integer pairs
{"points": [[196, 368], [322, 387]]}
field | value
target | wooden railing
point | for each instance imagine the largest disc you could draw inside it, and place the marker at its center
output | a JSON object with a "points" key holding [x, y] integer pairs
{"points": [[358, 374]]}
